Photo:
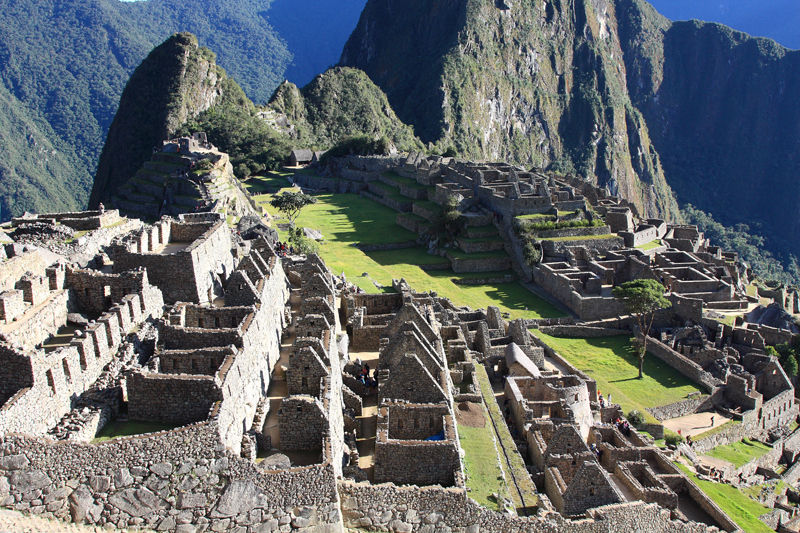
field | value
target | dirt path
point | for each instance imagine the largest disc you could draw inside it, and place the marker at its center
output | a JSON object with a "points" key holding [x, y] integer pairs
{"points": [[368, 419]]}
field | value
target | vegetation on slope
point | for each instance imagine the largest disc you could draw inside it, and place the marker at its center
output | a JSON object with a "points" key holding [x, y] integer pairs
{"points": [[176, 81], [346, 219], [724, 118], [538, 84], [339, 104], [612, 362], [748, 243], [65, 64], [737, 505]]}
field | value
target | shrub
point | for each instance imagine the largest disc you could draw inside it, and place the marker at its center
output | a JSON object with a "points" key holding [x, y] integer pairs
{"points": [[636, 418], [673, 439], [204, 164], [531, 253]]}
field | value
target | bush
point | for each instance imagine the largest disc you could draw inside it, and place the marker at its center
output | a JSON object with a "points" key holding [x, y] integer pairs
{"points": [[636, 418], [204, 164], [531, 253], [673, 439], [305, 245]]}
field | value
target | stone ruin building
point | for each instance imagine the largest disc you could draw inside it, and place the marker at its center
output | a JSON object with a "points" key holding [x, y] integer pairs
{"points": [[184, 175], [595, 240], [184, 325]]}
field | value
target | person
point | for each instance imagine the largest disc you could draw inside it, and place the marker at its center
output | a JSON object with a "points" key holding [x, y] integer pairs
{"points": [[101, 208], [712, 421], [689, 440]]}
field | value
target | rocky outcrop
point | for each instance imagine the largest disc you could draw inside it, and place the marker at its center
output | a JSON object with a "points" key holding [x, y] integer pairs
{"points": [[176, 82]]}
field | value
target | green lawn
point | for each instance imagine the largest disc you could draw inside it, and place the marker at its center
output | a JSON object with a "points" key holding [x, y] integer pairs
{"points": [[126, 429], [513, 463], [740, 453], [460, 254], [482, 464], [718, 429], [345, 219], [538, 217], [581, 238], [493, 238], [737, 505], [612, 362], [271, 181], [649, 246], [408, 182]]}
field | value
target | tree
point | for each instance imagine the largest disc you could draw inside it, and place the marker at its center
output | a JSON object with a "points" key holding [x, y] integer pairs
{"points": [[790, 366], [291, 203], [642, 298]]}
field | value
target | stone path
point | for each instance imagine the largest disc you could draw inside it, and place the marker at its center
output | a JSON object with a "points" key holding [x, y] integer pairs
{"points": [[622, 488], [695, 424], [16, 522]]}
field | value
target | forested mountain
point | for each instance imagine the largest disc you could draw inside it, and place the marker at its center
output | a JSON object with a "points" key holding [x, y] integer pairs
{"points": [[64, 64], [180, 89]]}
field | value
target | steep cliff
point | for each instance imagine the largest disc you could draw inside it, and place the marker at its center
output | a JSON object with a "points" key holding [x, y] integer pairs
{"points": [[724, 116], [535, 83], [177, 81], [340, 103]]}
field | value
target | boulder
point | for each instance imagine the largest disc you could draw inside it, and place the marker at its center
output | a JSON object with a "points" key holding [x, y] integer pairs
{"points": [[82, 506], [28, 481], [136, 502], [13, 462], [240, 497], [276, 462]]}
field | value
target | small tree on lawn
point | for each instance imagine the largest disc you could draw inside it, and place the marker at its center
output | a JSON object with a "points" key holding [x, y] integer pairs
{"points": [[291, 203], [642, 298]]}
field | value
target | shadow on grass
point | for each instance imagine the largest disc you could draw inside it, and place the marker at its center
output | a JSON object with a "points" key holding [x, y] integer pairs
{"points": [[654, 367], [368, 222]]}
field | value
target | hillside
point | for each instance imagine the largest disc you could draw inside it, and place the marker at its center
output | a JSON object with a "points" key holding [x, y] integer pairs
{"points": [[776, 19], [538, 84], [179, 89], [340, 103], [177, 81]]}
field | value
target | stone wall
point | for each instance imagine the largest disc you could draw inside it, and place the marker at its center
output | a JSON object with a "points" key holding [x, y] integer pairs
{"points": [[684, 407], [96, 292], [187, 275], [402, 459], [41, 324], [181, 480], [462, 264], [16, 266], [172, 399], [414, 509], [688, 368], [63, 374], [302, 423], [575, 331]]}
